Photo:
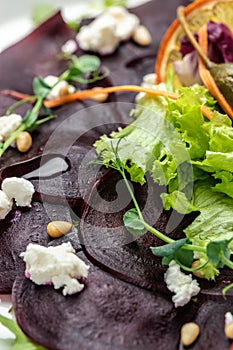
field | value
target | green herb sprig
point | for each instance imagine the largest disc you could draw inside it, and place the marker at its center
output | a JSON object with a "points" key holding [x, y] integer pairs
{"points": [[182, 250], [82, 70]]}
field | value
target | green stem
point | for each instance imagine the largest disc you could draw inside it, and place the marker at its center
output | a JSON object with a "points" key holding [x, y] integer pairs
{"points": [[11, 139], [190, 269], [151, 229], [132, 195], [226, 261], [147, 226], [157, 233], [196, 248], [18, 104], [226, 289], [24, 126]]}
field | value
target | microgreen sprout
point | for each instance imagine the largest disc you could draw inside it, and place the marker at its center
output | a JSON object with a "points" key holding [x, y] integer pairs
{"points": [[82, 70]]}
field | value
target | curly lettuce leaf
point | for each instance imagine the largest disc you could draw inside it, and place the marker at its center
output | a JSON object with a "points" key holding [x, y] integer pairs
{"points": [[214, 223]]}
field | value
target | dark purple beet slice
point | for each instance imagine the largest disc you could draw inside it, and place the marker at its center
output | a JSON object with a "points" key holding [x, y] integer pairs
{"points": [[20, 228], [210, 318], [127, 66], [108, 315], [71, 237], [108, 244]]}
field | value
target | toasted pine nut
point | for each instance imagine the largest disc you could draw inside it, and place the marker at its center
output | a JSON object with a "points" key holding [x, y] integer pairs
{"points": [[101, 97], [142, 36], [23, 141], [189, 333], [57, 229]]}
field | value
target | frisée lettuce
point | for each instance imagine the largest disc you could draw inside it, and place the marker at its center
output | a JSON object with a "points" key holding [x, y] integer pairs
{"points": [[192, 156]]}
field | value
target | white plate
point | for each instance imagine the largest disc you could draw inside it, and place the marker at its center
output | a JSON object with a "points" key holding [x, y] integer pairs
{"points": [[15, 19], [15, 16]]}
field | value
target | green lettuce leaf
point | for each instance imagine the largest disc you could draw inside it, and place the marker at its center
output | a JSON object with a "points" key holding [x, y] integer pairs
{"points": [[21, 341], [163, 139], [214, 223]]}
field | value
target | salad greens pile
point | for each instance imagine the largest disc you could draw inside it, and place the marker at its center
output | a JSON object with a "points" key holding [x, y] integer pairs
{"points": [[173, 142]]}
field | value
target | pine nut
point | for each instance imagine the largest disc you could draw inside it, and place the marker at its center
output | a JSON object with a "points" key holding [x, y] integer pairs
{"points": [[189, 333], [101, 97], [197, 273], [141, 36], [64, 90], [23, 141], [58, 229], [229, 330]]}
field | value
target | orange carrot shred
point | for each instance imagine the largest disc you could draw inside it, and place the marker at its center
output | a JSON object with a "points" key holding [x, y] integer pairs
{"points": [[207, 77], [207, 112], [15, 94], [85, 94]]}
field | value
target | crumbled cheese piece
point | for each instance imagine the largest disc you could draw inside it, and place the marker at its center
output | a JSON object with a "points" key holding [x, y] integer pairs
{"points": [[20, 189], [5, 205], [8, 124], [60, 89], [228, 318], [148, 81], [58, 265], [70, 46], [104, 34], [181, 284], [126, 22]]}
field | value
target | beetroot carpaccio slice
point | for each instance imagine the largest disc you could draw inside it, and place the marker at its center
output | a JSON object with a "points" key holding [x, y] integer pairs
{"points": [[21, 227], [108, 315], [37, 54], [109, 245]]}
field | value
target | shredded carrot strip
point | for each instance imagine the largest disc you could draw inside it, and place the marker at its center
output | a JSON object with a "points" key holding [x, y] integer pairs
{"points": [[15, 94], [207, 77], [85, 94], [207, 112]]}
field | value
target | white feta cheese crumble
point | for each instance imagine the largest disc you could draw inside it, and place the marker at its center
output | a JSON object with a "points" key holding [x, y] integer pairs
{"points": [[5, 205], [181, 284], [8, 124], [104, 34], [228, 318], [148, 81], [126, 22], [20, 189], [58, 89], [58, 265], [70, 46]]}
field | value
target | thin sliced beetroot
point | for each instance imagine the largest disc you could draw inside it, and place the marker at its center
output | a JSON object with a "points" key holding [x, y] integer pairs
{"points": [[108, 315], [211, 319], [127, 66], [20, 228], [108, 244]]}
